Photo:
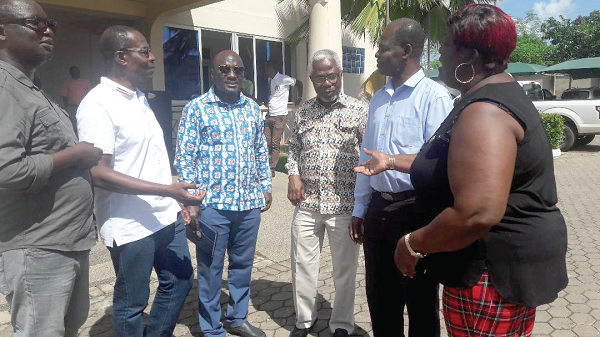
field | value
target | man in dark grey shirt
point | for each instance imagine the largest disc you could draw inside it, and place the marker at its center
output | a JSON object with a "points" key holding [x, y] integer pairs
{"points": [[46, 195]]}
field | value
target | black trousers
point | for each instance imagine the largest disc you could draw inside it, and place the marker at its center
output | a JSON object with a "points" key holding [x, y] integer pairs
{"points": [[388, 291]]}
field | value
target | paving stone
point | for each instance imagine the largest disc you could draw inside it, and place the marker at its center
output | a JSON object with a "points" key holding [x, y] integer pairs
{"points": [[585, 331]]}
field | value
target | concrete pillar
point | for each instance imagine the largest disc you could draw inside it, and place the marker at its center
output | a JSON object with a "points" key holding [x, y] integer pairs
{"points": [[325, 33]]}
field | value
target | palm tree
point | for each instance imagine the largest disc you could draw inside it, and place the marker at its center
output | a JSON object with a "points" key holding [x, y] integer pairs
{"points": [[371, 16]]}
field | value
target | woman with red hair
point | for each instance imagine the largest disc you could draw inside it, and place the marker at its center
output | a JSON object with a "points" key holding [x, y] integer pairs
{"points": [[485, 180]]}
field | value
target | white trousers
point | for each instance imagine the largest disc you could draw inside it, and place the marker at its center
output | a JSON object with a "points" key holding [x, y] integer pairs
{"points": [[308, 231]]}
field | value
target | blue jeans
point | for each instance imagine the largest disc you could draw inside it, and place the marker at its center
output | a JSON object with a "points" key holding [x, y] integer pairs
{"points": [[167, 252], [47, 290], [237, 232]]}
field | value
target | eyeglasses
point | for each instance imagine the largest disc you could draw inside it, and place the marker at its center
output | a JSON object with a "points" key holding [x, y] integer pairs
{"points": [[145, 52], [36, 24], [332, 78], [225, 70]]}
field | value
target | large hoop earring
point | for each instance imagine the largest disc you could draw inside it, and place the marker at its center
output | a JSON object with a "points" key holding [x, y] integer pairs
{"points": [[456, 73]]}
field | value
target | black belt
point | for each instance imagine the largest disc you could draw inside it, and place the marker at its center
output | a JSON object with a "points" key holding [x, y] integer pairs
{"points": [[397, 196]]}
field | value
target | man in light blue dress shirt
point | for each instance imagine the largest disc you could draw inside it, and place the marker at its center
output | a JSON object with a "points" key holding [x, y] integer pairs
{"points": [[403, 115]]}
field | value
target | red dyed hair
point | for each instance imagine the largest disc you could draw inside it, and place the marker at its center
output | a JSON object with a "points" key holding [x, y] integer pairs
{"points": [[487, 29]]}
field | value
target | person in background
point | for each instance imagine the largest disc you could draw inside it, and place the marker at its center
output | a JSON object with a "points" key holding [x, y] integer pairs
{"points": [[324, 147], [403, 115], [73, 92], [47, 227], [279, 89], [222, 147], [485, 185], [136, 203]]}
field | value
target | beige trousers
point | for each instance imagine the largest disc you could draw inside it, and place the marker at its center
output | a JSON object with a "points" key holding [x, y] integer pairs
{"points": [[308, 231]]}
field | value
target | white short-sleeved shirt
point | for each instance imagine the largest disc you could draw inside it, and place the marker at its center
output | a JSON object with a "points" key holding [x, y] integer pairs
{"points": [[280, 91], [120, 122]]}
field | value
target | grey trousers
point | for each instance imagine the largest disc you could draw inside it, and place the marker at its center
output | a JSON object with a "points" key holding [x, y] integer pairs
{"points": [[47, 291]]}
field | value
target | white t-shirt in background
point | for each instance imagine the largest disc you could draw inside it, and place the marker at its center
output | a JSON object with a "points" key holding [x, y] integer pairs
{"points": [[120, 122], [280, 91]]}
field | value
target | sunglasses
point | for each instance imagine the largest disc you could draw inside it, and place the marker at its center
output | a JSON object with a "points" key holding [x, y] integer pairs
{"points": [[36, 24], [145, 52], [238, 71], [332, 78]]}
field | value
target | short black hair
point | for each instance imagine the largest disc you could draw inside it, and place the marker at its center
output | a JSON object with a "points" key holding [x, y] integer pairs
{"points": [[272, 64], [113, 39], [410, 32]]}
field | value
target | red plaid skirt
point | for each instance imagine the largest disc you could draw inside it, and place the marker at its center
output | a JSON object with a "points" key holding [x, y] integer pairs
{"points": [[480, 311]]}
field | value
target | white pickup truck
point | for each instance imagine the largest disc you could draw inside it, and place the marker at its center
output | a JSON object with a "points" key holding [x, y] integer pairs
{"points": [[580, 109], [582, 119]]}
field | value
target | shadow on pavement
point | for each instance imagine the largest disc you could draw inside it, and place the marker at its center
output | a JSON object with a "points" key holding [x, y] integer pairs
{"points": [[272, 300]]}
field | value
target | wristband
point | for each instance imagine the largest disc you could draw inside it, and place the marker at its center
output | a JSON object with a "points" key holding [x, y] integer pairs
{"points": [[391, 162], [410, 250]]}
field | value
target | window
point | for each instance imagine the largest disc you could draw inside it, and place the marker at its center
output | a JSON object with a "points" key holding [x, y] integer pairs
{"points": [[353, 60], [182, 63], [187, 70]]}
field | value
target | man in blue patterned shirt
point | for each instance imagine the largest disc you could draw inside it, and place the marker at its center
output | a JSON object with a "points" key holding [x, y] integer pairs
{"points": [[221, 146]]}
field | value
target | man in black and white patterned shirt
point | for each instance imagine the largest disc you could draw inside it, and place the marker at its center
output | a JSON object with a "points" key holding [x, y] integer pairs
{"points": [[323, 149]]}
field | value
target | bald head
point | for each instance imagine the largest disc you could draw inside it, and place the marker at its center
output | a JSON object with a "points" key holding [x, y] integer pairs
{"points": [[222, 57], [23, 46], [227, 75], [10, 9], [408, 31]]}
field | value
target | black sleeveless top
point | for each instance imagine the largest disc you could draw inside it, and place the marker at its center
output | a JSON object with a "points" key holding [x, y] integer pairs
{"points": [[524, 253]]}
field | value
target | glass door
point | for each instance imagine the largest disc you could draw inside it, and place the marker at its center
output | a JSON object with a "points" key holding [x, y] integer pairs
{"points": [[212, 43], [245, 47]]}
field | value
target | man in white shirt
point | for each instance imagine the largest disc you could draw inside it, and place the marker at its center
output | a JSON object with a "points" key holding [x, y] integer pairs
{"points": [[135, 197], [277, 116]]}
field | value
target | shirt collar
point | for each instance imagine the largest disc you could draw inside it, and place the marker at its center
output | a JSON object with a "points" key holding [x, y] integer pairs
{"points": [[341, 100], [411, 82], [118, 88], [211, 97], [17, 75]]}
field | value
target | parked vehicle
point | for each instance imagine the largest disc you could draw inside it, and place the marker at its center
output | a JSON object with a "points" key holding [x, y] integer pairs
{"points": [[581, 93], [582, 118]]}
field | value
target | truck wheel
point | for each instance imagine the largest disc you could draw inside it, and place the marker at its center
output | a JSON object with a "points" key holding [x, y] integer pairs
{"points": [[584, 140], [569, 133]]}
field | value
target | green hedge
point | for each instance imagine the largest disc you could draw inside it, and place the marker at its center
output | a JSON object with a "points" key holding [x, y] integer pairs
{"points": [[554, 125]]}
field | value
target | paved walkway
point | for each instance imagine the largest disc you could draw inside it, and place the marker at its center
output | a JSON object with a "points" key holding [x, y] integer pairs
{"points": [[575, 313]]}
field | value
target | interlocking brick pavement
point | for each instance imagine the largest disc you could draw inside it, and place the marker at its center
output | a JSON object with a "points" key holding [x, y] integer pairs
{"points": [[575, 313]]}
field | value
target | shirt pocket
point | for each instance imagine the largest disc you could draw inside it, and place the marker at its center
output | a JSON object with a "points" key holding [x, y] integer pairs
{"points": [[48, 118], [406, 132], [48, 127]]}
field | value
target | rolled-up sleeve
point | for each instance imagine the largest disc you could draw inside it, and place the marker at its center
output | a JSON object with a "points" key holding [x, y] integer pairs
{"points": [[19, 172]]}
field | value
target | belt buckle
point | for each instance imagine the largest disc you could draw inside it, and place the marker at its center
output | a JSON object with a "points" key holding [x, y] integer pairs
{"points": [[387, 196]]}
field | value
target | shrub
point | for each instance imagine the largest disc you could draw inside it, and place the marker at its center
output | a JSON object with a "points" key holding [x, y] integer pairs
{"points": [[554, 125]]}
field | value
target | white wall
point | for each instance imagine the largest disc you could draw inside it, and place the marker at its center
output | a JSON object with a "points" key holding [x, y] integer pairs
{"points": [[267, 18], [353, 82]]}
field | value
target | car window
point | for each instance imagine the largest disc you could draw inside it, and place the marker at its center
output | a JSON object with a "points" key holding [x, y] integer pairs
{"points": [[575, 94], [596, 93]]}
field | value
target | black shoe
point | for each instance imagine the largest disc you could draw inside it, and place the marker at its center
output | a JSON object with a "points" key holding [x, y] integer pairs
{"points": [[272, 173], [297, 332], [340, 333], [245, 330]]}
